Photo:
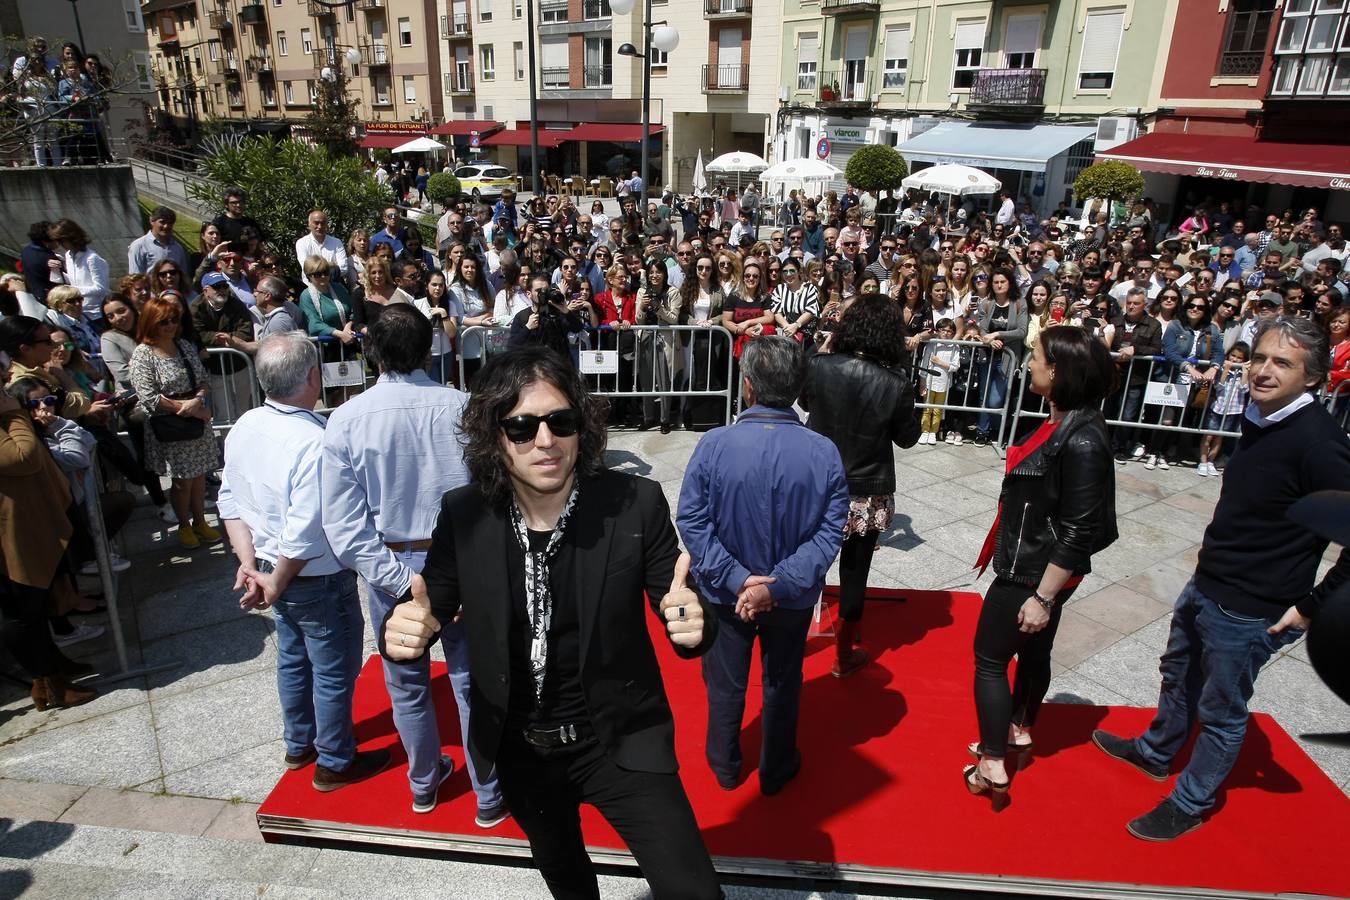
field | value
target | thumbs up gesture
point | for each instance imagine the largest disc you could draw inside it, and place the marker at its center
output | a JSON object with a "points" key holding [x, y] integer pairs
{"points": [[411, 626], [682, 610]]}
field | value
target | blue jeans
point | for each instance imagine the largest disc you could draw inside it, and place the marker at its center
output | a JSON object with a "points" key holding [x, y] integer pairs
{"points": [[995, 392], [726, 667], [1209, 671], [319, 653], [409, 687]]}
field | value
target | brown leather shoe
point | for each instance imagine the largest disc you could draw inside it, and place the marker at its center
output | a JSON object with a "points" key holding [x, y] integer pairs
{"points": [[366, 764], [848, 656], [54, 690]]}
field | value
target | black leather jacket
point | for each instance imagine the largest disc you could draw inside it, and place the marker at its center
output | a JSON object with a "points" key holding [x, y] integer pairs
{"points": [[862, 407], [1059, 504]]}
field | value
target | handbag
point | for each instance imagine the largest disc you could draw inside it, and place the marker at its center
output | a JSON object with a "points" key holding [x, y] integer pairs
{"points": [[170, 428], [1200, 391]]}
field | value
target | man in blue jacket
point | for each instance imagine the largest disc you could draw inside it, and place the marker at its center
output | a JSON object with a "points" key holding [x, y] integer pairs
{"points": [[762, 513]]}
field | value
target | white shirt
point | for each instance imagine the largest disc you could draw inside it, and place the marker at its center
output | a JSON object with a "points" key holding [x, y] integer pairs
{"points": [[389, 455], [88, 271], [331, 249], [271, 482], [1254, 415], [1005, 213]]}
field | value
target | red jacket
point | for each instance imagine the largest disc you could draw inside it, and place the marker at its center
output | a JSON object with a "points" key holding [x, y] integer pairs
{"points": [[610, 313], [1340, 366]]}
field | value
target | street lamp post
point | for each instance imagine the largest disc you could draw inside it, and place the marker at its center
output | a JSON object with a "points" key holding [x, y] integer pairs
{"points": [[665, 39]]}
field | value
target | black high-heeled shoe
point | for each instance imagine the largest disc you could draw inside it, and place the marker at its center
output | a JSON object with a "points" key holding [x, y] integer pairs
{"points": [[980, 784]]}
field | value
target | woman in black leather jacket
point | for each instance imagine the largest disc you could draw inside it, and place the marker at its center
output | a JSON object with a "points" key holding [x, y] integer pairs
{"points": [[864, 405], [1057, 508]]}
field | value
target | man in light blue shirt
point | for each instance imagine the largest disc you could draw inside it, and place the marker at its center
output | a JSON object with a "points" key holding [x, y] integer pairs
{"points": [[389, 454], [762, 513], [157, 245], [270, 504]]}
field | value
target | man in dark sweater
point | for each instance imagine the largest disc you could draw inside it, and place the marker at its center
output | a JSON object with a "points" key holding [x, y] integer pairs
{"points": [[1253, 590]]}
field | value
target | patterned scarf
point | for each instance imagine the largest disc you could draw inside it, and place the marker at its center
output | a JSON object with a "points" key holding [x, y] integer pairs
{"points": [[538, 591]]}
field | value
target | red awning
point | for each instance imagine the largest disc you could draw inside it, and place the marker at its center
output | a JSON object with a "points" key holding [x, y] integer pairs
{"points": [[387, 141], [467, 126], [1238, 159], [520, 137], [614, 133]]}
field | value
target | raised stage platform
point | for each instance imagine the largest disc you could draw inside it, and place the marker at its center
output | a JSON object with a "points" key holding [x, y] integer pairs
{"points": [[879, 800]]}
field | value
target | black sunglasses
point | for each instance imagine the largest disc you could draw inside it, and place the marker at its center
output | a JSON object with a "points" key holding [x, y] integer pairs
{"points": [[48, 400], [1200, 306], [523, 429]]}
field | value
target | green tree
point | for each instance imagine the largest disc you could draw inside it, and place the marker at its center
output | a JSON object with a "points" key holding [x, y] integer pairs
{"points": [[285, 181], [1109, 180], [876, 168], [442, 188], [332, 120]]}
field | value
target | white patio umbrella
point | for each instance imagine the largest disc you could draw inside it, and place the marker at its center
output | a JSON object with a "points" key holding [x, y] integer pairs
{"points": [[952, 179], [700, 184], [420, 145], [737, 163], [800, 170]]}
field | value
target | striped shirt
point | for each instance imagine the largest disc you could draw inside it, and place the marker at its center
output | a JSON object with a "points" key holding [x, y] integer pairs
{"points": [[791, 304]]}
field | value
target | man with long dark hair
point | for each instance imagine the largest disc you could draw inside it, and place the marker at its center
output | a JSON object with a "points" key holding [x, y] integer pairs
{"points": [[388, 453], [548, 555]]}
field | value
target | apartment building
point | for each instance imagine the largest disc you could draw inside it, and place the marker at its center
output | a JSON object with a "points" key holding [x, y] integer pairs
{"points": [[259, 61], [1029, 91], [713, 93], [1252, 109], [113, 29]]}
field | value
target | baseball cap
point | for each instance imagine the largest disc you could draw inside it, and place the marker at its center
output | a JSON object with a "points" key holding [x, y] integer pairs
{"points": [[211, 278], [1269, 298]]}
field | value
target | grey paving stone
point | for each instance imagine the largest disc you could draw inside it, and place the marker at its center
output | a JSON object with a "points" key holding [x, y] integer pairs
{"points": [[1128, 501], [1080, 637], [201, 602], [922, 566], [914, 516], [1127, 668], [1182, 522], [248, 775], [1159, 582], [113, 750], [1072, 687], [953, 496], [236, 822], [962, 539], [20, 718], [1290, 690], [35, 799], [132, 809], [217, 720], [1121, 609], [212, 653]]}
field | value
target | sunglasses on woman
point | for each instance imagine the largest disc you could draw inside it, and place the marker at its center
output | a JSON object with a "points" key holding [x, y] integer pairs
{"points": [[523, 429], [68, 346], [1198, 307], [48, 401]]}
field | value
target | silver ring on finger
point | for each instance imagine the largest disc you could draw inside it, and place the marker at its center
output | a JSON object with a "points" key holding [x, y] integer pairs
{"points": [[403, 640]]}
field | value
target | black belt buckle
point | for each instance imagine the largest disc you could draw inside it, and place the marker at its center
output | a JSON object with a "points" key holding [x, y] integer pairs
{"points": [[549, 738]]}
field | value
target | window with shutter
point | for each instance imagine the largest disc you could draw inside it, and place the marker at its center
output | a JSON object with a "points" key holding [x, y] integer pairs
{"points": [[969, 52], [808, 50], [1101, 46], [485, 10], [896, 57], [135, 22], [1020, 41]]}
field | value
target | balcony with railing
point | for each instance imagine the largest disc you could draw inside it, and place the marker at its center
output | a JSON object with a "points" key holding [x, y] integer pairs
{"points": [[726, 79], [850, 87], [461, 83], [597, 76], [552, 11], [726, 9], [460, 27], [322, 56], [1008, 91], [374, 53], [253, 14], [218, 17], [370, 5], [595, 9], [227, 64], [259, 63], [319, 10], [1244, 64], [556, 79], [848, 7]]}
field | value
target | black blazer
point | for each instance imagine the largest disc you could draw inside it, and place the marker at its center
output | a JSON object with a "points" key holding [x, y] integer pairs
{"points": [[625, 545]]}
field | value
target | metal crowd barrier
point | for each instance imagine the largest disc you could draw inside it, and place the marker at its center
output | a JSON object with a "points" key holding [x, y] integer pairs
{"points": [[344, 371], [612, 367], [1338, 403], [968, 391], [232, 394]]}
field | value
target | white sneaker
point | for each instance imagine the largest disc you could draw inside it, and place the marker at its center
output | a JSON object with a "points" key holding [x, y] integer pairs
{"points": [[167, 515], [1162, 463], [931, 438], [119, 564], [1209, 469], [81, 633], [958, 440], [1137, 452], [951, 437], [1202, 469], [1151, 463]]}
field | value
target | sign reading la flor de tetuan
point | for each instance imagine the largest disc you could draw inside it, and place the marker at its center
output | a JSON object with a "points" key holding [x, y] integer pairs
{"points": [[395, 128]]}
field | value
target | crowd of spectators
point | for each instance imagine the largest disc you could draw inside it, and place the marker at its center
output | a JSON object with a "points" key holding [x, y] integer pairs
{"points": [[62, 100]]}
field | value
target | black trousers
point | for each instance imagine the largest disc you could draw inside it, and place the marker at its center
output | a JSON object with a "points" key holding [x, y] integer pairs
{"points": [[23, 631], [544, 788], [855, 561], [998, 638]]}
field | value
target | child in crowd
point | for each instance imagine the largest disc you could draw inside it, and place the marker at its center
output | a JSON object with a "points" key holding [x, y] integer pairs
{"points": [[943, 357], [1230, 399]]}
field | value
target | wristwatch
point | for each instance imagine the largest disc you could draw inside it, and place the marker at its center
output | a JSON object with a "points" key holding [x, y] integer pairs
{"points": [[1047, 602]]}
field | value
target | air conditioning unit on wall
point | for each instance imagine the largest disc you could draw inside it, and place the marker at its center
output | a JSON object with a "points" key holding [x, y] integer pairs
{"points": [[1112, 131]]}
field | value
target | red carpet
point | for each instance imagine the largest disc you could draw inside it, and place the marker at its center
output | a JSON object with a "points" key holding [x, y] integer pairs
{"points": [[883, 753]]}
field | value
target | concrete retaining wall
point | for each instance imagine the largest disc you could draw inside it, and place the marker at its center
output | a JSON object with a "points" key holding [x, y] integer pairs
{"points": [[101, 198]]}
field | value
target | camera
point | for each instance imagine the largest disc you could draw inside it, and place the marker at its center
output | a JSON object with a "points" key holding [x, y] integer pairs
{"points": [[546, 299]]}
